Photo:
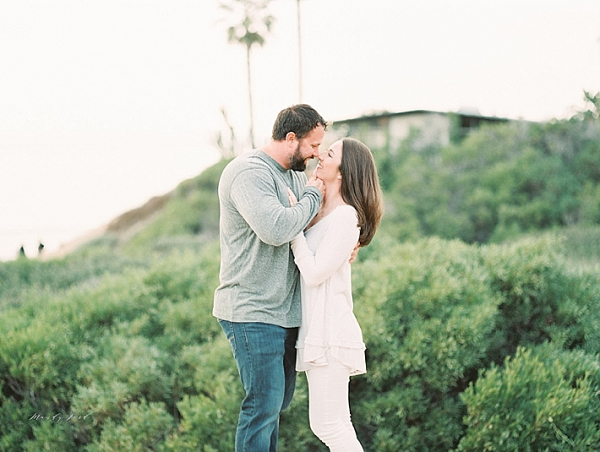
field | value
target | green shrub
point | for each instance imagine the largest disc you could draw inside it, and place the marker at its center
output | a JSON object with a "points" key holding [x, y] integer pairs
{"points": [[209, 418], [544, 399], [427, 312], [16, 424], [541, 298], [144, 428], [92, 311], [54, 433], [39, 362], [435, 313]]}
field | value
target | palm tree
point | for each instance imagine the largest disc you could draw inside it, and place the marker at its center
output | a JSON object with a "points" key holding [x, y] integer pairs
{"points": [[299, 53], [251, 22]]}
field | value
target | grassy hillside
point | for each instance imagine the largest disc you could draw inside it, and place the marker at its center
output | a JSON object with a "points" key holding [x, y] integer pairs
{"points": [[186, 218], [472, 345]]}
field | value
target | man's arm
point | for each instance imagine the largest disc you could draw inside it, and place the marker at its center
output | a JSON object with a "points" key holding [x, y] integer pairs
{"points": [[254, 194]]}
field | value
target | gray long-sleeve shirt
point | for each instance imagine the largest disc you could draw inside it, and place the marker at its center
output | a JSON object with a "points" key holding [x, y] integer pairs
{"points": [[259, 281]]}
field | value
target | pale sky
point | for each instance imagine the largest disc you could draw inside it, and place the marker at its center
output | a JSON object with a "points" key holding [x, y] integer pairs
{"points": [[106, 103]]}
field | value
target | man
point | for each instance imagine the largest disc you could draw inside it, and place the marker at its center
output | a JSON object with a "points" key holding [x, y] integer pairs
{"points": [[258, 299]]}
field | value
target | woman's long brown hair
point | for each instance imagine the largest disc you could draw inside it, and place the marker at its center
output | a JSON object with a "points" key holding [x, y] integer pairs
{"points": [[360, 187]]}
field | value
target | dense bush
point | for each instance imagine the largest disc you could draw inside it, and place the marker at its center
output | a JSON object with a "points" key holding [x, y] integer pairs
{"points": [[542, 399], [435, 313], [542, 299], [135, 361], [428, 324], [96, 362]]}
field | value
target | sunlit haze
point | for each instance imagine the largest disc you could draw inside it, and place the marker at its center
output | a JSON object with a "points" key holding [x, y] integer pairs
{"points": [[105, 104]]}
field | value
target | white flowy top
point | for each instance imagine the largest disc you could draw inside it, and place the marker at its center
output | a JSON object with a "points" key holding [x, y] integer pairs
{"points": [[328, 323]]}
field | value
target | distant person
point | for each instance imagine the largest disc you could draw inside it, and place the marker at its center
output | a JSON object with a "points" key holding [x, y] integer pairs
{"points": [[40, 248], [22, 252], [258, 300], [330, 345]]}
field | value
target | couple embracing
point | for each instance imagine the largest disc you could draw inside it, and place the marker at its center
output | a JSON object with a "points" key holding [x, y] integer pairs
{"points": [[285, 297]]}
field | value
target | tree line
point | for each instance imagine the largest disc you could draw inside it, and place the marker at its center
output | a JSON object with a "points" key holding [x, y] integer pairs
{"points": [[499, 182]]}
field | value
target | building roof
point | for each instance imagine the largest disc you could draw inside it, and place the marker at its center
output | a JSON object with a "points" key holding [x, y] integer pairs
{"points": [[387, 114]]}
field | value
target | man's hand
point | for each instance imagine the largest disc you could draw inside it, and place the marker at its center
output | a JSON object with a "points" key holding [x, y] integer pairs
{"points": [[354, 253]]}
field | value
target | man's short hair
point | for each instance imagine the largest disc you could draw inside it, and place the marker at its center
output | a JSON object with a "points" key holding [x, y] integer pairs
{"points": [[300, 119]]}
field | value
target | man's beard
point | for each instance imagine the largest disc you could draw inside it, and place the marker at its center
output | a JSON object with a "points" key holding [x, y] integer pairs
{"points": [[297, 162]]}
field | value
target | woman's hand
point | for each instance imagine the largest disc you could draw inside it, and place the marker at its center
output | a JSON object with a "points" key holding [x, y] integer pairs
{"points": [[292, 197], [314, 181]]}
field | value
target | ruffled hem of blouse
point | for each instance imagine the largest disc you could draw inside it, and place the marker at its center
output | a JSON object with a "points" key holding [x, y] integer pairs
{"points": [[310, 356]]}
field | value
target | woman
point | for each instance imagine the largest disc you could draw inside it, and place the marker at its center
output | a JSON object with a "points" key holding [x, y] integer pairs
{"points": [[330, 347]]}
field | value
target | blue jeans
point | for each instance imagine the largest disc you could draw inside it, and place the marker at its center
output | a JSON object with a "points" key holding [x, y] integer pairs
{"points": [[266, 359]]}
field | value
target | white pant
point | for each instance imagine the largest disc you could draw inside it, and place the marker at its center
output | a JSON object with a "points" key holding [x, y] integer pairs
{"points": [[329, 410]]}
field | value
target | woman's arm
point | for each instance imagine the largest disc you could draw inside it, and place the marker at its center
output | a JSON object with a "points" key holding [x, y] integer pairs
{"points": [[334, 250]]}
